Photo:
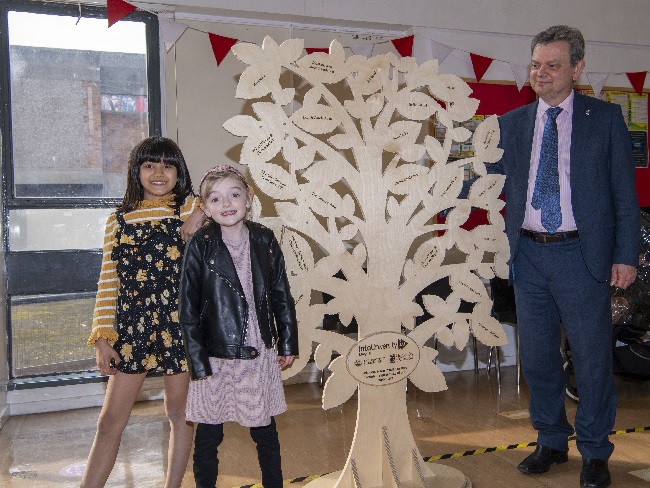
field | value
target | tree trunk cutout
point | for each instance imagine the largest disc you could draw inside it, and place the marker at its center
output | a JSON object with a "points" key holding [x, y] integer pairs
{"points": [[355, 176]]}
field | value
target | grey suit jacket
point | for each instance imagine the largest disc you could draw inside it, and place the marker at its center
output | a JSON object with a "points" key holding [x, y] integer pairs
{"points": [[603, 195]]}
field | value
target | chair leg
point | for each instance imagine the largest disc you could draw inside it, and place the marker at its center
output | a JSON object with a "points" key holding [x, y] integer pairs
{"points": [[497, 362], [475, 350], [489, 360], [518, 358]]}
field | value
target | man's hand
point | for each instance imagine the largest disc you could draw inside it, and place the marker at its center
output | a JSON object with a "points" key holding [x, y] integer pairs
{"points": [[104, 353], [623, 275]]}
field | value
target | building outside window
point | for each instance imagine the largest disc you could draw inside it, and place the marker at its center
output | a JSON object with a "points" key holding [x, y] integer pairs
{"points": [[77, 96]]}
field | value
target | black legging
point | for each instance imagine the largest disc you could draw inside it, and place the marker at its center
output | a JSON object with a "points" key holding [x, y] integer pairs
{"points": [[206, 446]]}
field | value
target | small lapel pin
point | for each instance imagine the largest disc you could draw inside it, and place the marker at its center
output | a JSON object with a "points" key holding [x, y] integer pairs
{"points": [[588, 112]]}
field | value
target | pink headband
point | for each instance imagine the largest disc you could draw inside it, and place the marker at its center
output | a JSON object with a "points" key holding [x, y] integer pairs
{"points": [[223, 167]]}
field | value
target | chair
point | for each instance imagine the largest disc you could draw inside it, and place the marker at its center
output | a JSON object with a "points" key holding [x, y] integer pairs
{"points": [[505, 311]]}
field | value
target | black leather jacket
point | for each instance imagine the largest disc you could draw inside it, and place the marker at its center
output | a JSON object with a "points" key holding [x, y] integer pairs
{"points": [[212, 307]]}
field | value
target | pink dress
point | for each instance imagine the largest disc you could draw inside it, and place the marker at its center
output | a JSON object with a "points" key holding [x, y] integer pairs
{"points": [[246, 391]]}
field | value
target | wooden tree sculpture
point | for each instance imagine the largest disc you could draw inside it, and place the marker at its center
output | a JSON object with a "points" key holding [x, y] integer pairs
{"points": [[365, 228]]}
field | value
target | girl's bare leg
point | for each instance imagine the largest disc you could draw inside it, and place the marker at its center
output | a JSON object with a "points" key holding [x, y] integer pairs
{"points": [[182, 432], [120, 396]]}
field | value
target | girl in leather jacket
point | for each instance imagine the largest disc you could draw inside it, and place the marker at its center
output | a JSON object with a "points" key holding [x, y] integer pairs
{"points": [[239, 327]]}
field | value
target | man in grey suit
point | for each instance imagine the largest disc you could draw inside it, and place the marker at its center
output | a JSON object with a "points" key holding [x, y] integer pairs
{"points": [[572, 220]]}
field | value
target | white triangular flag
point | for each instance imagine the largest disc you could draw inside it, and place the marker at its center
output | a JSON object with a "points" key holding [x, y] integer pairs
{"points": [[363, 49], [171, 32], [521, 72], [597, 81], [439, 51]]}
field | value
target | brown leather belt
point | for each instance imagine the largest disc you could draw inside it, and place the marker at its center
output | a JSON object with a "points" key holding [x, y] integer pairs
{"points": [[545, 237]]}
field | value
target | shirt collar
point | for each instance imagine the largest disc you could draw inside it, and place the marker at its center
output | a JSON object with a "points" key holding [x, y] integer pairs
{"points": [[566, 105]]}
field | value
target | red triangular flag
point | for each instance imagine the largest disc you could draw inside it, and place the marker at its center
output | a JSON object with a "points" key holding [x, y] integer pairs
{"points": [[221, 46], [404, 45], [637, 80], [317, 50], [480, 65], [117, 10]]}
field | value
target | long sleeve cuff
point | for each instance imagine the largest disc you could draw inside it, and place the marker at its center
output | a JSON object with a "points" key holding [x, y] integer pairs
{"points": [[107, 333]]}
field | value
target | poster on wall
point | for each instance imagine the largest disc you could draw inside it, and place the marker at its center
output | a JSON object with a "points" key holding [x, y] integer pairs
{"points": [[635, 113]]}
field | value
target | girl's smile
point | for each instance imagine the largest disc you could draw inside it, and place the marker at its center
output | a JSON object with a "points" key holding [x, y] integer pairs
{"points": [[158, 179]]}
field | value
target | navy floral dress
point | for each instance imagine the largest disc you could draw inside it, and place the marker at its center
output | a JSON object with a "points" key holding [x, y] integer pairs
{"points": [[148, 256]]}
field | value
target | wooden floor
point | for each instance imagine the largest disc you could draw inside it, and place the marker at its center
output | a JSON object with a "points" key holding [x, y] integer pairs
{"points": [[48, 450]]}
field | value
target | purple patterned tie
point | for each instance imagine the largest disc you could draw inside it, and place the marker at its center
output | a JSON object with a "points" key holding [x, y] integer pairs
{"points": [[546, 194]]}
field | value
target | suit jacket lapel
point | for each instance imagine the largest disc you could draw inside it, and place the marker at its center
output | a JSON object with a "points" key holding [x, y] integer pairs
{"points": [[526, 131]]}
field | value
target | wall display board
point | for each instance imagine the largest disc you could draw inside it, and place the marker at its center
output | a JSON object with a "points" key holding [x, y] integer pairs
{"points": [[358, 181]]}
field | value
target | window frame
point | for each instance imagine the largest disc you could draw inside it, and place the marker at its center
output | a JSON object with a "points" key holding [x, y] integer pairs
{"points": [[150, 20], [71, 268]]}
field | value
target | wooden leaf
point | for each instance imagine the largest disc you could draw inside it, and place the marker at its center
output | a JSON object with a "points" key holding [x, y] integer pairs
{"points": [[427, 376], [325, 67], [460, 333], [347, 232], [462, 109], [365, 109], [406, 178], [248, 53], [423, 74], [487, 329], [487, 188], [342, 141], [469, 287], [428, 255], [254, 83], [324, 173], [322, 356], [300, 258], [322, 199], [298, 158], [416, 105], [291, 50], [435, 150], [371, 75], [392, 206], [448, 184], [241, 125], [486, 141], [460, 134], [273, 180], [340, 385], [449, 88], [316, 119]]}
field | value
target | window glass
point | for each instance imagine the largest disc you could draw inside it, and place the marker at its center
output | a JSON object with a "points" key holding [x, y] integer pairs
{"points": [[50, 333], [57, 229], [78, 104]]}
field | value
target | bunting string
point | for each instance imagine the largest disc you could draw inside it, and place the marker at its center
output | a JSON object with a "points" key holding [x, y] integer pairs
{"points": [[172, 31]]}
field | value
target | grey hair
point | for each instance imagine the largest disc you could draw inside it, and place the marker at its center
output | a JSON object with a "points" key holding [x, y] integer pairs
{"points": [[564, 33]]}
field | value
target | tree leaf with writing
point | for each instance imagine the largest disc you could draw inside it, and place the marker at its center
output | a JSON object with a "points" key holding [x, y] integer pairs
{"points": [[416, 105], [406, 178], [274, 181]]}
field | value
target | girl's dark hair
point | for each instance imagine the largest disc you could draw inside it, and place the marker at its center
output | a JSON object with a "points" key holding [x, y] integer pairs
{"points": [[155, 149]]}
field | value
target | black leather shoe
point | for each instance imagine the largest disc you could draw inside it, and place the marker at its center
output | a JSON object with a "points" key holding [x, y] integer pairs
{"points": [[595, 474], [541, 460]]}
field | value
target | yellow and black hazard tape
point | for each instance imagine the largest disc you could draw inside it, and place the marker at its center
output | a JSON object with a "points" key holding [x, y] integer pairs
{"points": [[516, 446], [430, 459]]}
